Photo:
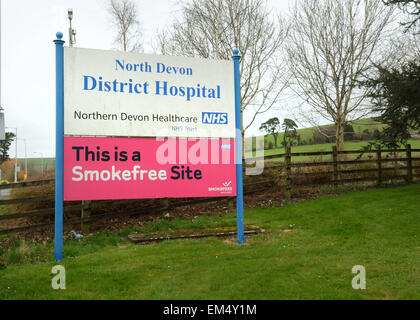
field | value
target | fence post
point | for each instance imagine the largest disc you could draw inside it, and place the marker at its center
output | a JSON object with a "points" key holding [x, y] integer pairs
{"points": [[288, 159], [164, 204], [86, 211], [231, 204], [335, 167], [409, 164], [379, 163]]}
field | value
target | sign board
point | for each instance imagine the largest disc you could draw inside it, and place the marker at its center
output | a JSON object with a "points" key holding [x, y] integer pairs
{"points": [[120, 94], [116, 104], [110, 109]]}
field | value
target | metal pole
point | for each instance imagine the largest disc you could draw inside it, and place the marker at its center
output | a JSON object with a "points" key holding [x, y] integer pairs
{"points": [[26, 159], [239, 178], [70, 36], [42, 161], [71, 33], [16, 153], [59, 147]]}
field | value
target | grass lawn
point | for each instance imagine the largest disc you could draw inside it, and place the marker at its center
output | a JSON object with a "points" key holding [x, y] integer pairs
{"points": [[379, 229]]}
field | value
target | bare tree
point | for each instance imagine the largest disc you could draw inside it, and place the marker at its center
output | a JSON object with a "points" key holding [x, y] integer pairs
{"points": [[213, 28], [403, 47], [332, 45], [124, 18], [411, 7]]}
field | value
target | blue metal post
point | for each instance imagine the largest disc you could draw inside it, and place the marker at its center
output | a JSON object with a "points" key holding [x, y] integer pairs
{"points": [[59, 147], [239, 178]]}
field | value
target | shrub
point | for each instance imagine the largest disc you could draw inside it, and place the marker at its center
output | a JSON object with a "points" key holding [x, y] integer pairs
{"points": [[349, 133], [8, 169], [366, 135]]}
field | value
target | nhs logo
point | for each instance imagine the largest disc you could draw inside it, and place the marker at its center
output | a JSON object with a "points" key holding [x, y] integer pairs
{"points": [[215, 118], [226, 147]]}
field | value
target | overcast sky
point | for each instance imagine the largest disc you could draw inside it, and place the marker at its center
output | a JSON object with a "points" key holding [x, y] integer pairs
{"points": [[28, 29]]}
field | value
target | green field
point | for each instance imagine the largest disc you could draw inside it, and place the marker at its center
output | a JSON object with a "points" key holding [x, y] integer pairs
{"points": [[415, 144], [378, 229], [359, 126], [36, 164], [307, 133], [49, 163]]}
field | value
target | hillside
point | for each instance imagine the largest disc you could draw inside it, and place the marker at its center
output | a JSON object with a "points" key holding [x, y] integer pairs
{"points": [[359, 127]]}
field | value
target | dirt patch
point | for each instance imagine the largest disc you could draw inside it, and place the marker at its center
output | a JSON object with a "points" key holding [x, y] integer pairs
{"points": [[192, 234]]}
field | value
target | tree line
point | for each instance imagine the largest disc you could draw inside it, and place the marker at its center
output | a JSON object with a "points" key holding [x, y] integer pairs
{"points": [[343, 60]]}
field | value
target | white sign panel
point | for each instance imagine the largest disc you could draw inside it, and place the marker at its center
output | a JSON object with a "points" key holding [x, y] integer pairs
{"points": [[109, 93]]}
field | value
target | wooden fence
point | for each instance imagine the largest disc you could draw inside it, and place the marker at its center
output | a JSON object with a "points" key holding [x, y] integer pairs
{"points": [[280, 172]]}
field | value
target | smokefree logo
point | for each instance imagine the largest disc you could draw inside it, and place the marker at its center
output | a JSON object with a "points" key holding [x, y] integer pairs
{"points": [[215, 118], [226, 188], [227, 184]]}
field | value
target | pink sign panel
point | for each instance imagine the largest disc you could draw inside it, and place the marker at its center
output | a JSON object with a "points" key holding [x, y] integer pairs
{"points": [[145, 168]]}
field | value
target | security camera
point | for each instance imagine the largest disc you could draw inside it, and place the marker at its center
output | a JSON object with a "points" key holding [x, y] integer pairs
{"points": [[70, 13]]}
